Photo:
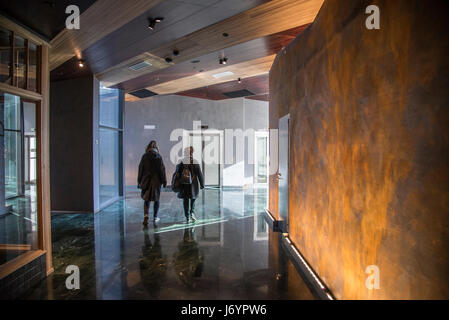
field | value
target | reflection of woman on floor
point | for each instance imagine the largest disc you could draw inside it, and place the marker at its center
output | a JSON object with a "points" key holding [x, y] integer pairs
{"points": [[188, 261], [153, 266]]}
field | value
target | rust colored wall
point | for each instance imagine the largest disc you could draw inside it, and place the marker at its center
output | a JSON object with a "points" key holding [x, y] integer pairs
{"points": [[369, 172]]}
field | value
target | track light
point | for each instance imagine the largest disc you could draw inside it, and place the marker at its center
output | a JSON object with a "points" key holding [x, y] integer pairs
{"points": [[152, 22], [81, 63], [223, 60], [176, 52], [168, 59], [239, 80]]}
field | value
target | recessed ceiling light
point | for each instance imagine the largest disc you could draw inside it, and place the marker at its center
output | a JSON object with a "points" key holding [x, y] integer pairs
{"points": [[222, 74], [152, 22]]}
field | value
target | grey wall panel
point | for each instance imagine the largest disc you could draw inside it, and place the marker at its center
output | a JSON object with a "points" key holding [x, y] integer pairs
{"points": [[71, 153]]}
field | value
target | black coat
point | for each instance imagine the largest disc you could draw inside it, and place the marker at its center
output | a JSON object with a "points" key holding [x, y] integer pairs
{"points": [[151, 175], [191, 191]]}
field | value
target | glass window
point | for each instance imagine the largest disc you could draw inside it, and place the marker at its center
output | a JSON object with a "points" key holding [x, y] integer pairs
{"points": [[109, 107], [20, 55], [5, 56], [109, 165], [32, 66], [11, 112], [109, 148], [18, 203]]}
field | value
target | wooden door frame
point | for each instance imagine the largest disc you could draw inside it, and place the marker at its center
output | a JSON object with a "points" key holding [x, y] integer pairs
{"points": [[41, 99]]}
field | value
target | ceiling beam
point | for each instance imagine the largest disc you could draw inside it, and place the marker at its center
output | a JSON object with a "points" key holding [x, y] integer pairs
{"points": [[99, 20]]}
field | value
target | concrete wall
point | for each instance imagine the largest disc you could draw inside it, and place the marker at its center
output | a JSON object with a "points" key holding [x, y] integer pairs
{"points": [[370, 147], [71, 144], [168, 113]]}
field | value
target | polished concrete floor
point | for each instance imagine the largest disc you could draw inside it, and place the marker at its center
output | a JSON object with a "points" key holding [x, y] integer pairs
{"points": [[229, 253]]}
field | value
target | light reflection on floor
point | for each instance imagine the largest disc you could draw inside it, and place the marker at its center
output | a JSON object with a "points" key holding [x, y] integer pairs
{"points": [[229, 253]]}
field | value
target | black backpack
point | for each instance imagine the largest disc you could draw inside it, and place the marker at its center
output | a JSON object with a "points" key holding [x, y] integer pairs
{"points": [[186, 175]]}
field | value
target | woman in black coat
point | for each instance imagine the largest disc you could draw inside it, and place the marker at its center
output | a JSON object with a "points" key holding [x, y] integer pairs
{"points": [[150, 178], [189, 192]]}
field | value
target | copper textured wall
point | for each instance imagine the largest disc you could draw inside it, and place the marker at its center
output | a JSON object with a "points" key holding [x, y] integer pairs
{"points": [[369, 172]]}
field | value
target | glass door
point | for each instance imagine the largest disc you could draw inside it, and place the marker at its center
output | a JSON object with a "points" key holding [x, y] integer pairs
{"points": [[110, 134], [261, 158]]}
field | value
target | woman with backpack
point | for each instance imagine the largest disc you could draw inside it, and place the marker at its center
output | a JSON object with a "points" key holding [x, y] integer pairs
{"points": [[189, 179], [150, 179]]}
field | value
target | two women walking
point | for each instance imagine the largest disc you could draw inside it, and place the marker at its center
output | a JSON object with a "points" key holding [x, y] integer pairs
{"points": [[187, 181]]}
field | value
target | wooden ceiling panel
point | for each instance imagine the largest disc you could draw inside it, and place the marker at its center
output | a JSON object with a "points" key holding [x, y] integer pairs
{"points": [[122, 71], [269, 18], [250, 50], [241, 70], [258, 85], [99, 20], [180, 19]]}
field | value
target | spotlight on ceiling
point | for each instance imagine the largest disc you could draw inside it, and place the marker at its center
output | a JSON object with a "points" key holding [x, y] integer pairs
{"points": [[239, 80], [168, 59], [81, 63], [152, 22], [176, 52], [223, 60]]}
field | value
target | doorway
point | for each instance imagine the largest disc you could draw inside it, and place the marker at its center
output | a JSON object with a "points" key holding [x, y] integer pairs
{"points": [[283, 173], [261, 155], [208, 151]]}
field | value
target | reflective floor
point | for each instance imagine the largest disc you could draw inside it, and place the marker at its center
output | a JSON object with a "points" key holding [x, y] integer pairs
{"points": [[229, 253]]}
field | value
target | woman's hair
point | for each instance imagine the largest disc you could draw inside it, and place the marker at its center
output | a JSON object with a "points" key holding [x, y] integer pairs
{"points": [[152, 145]]}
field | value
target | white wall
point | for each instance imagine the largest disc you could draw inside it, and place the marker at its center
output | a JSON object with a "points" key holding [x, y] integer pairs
{"points": [[170, 112]]}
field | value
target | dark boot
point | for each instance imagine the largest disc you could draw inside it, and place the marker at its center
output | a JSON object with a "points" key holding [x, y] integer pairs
{"points": [[192, 210], [186, 209], [145, 213]]}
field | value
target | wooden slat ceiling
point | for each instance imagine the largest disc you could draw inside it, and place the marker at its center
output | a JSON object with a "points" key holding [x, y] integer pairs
{"points": [[181, 18], [258, 85], [99, 20], [257, 23], [254, 49], [256, 30], [240, 70]]}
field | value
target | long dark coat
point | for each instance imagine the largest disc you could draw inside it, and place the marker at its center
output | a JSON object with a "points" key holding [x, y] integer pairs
{"points": [[191, 191], [151, 175]]}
